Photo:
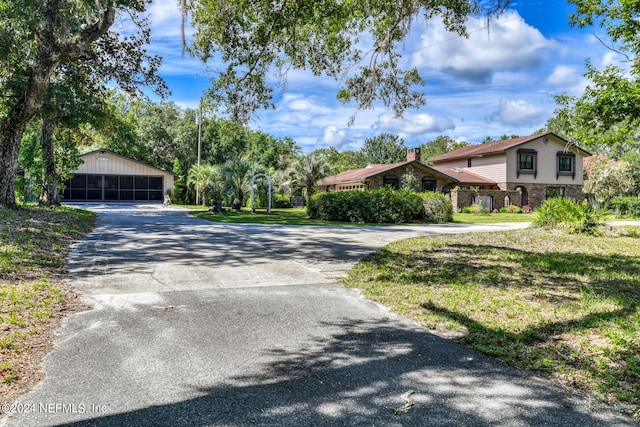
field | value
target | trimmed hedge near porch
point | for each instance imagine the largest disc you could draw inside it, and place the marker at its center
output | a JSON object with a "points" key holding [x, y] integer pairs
{"points": [[383, 206]]}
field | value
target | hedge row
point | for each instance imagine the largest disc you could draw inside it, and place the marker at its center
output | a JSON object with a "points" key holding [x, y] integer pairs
{"points": [[380, 206]]}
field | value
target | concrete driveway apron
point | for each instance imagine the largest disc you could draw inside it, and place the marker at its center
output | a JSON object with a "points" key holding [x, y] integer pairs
{"points": [[203, 324]]}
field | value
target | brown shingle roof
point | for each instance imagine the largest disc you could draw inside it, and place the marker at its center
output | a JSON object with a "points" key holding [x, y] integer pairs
{"points": [[464, 177], [360, 175], [486, 148], [497, 147]]}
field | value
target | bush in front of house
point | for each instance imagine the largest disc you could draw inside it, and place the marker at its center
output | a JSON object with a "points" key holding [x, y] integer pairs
{"points": [[478, 209], [513, 209], [570, 216], [376, 206], [281, 201], [437, 207], [626, 206]]}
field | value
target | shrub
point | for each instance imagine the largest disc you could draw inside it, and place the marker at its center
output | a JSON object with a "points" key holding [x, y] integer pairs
{"points": [[378, 206], [513, 209], [281, 201], [503, 210], [437, 207], [478, 209], [570, 216], [626, 206], [466, 209], [526, 209]]}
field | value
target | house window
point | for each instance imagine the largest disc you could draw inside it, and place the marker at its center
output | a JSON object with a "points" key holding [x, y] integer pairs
{"points": [[391, 181], [527, 162], [468, 163], [553, 192], [428, 184], [565, 164]]}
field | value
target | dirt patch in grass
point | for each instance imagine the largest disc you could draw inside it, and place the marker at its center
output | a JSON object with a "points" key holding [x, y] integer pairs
{"points": [[34, 298], [560, 306]]}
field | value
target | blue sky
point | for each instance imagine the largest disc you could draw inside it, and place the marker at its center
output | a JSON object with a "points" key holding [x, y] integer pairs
{"points": [[501, 81]]}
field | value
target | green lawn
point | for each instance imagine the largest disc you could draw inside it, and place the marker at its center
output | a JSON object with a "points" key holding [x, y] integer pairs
{"points": [[557, 305], [490, 218]]}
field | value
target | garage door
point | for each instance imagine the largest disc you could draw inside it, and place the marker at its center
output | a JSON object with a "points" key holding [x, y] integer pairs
{"points": [[85, 187]]}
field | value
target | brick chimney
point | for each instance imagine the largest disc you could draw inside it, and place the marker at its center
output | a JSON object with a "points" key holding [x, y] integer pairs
{"points": [[413, 154]]}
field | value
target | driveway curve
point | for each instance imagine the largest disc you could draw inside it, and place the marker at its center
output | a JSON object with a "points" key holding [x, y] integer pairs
{"points": [[205, 324]]}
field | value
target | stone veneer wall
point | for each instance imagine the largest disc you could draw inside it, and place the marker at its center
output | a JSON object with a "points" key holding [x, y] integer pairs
{"points": [[463, 198], [537, 193]]}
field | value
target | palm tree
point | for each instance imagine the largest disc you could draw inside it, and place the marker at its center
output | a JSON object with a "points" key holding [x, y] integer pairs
{"points": [[308, 170], [236, 175], [202, 177]]}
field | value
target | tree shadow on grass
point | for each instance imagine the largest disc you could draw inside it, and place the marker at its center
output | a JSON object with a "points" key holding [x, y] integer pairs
{"points": [[613, 276], [588, 296]]}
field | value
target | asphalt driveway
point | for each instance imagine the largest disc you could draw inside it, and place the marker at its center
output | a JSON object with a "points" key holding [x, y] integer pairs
{"points": [[199, 324]]}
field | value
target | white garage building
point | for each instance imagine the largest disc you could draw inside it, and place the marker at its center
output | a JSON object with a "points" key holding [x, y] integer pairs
{"points": [[105, 175]]}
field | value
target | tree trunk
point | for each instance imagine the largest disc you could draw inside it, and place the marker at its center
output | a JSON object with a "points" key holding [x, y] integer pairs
{"points": [[48, 56], [9, 151], [49, 195], [236, 205], [12, 128]]}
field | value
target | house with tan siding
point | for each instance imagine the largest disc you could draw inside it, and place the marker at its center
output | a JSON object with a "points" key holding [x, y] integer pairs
{"points": [[519, 171], [537, 167], [108, 176]]}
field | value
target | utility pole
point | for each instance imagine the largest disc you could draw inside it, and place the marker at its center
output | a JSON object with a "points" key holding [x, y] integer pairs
{"points": [[199, 123]]}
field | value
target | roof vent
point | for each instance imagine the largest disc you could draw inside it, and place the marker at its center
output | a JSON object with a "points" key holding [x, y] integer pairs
{"points": [[456, 170]]}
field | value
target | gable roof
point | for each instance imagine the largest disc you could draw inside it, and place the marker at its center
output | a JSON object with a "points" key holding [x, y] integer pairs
{"points": [[362, 174], [497, 147], [463, 176], [104, 151]]}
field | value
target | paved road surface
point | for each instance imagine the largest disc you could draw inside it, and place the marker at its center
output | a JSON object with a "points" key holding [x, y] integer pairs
{"points": [[201, 324]]}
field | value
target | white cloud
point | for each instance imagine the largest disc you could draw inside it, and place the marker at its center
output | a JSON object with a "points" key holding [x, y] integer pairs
{"points": [[567, 78], [166, 19], [509, 44], [310, 105], [563, 75], [518, 113], [412, 126], [334, 137]]}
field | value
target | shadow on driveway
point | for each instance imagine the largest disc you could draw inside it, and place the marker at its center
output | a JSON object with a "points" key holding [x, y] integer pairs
{"points": [[370, 373]]}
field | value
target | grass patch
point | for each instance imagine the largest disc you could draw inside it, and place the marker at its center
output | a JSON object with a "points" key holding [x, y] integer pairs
{"points": [[492, 218], [34, 243], [561, 306]]}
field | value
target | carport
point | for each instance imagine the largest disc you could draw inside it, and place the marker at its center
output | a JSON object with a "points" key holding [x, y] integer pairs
{"points": [[108, 176]]}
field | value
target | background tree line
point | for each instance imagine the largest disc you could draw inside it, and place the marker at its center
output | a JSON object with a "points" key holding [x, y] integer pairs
{"points": [[161, 134]]}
